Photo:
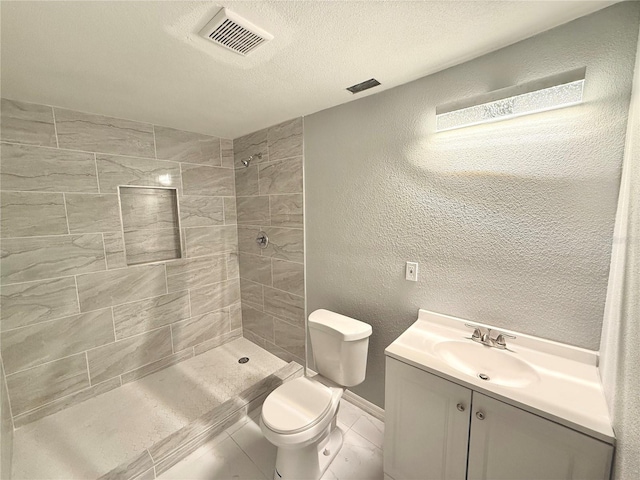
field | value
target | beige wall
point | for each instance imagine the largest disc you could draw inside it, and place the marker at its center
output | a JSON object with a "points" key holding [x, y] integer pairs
{"points": [[510, 222], [620, 345], [76, 320], [269, 198]]}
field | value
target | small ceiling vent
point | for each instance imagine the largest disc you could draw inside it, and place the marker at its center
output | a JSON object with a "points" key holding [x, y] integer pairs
{"points": [[366, 85], [231, 31]]}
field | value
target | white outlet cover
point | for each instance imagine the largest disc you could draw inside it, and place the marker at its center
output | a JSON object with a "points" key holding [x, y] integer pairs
{"points": [[412, 271]]}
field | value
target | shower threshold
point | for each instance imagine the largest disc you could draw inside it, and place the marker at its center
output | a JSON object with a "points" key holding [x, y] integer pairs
{"points": [[143, 428]]}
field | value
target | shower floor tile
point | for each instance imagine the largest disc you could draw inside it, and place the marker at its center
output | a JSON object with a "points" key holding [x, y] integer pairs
{"points": [[89, 439]]}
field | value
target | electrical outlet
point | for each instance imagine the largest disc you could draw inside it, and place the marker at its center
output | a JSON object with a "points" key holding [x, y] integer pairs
{"points": [[412, 271]]}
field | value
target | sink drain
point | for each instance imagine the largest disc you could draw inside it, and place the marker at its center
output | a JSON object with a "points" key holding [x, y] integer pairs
{"points": [[483, 376], [243, 360]]}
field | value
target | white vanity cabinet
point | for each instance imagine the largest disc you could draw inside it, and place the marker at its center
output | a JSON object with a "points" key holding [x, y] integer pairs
{"points": [[426, 425], [437, 429]]}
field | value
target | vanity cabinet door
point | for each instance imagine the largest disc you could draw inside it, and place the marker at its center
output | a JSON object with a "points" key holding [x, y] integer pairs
{"points": [[426, 425], [510, 444]]}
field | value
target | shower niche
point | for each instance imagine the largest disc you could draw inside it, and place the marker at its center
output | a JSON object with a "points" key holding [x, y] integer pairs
{"points": [[150, 224]]}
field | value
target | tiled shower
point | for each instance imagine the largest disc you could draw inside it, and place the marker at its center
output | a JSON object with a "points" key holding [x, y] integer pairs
{"points": [[122, 253]]}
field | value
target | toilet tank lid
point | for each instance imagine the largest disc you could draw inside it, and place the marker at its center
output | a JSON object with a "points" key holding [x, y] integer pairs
{"points": [[348, 328]]}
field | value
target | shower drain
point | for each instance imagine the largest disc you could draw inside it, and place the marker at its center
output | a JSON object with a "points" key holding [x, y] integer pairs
{"points": [[483, 376], [243, 360]]}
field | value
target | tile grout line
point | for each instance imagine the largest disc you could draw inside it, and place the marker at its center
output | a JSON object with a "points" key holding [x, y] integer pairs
{"points": [[66, 215], [113, 321], [86, 357], [95, 163], [55, 126]]}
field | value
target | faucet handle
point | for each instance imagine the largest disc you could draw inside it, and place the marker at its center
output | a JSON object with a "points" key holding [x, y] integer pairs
{"points": [[477, 332], [500, 341]]}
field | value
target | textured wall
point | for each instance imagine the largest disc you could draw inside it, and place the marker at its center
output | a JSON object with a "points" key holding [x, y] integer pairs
{"points": [[76, 319], [511, 222], [620, 345], [269, 198]]}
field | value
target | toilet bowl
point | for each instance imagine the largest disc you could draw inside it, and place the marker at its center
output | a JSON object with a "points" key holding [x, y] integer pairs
{"points": [[300, 417]]}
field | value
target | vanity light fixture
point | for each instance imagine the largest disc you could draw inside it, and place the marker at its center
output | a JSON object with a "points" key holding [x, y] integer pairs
{"points": [[539, 96]]}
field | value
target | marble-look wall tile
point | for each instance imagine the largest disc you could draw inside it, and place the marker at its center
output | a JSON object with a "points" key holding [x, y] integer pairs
{"points": [[288, 276], [286, 210], [181, 146], [252, 337], [202, 211], [226, 151], [97, 133], [230, 213], [247, 239], [214, 297], [128, 354], [285, 139], [284, 305], [247, 181], [235, 317], [114, 249], [145, 315], [253, 210], [281, 177], [252, 293], [250, 144], [33, 345], [145, 246], [45, 383], [27, 123], [92, 213], [211, 240], [25, 304], [289, 337], [217, 341], [27, 214], [28, 259], [255, 268], [200, 328], [285, 243], [148, 208], [156, 366], [65, 402], [258, 323], [114, 171], [27, 168], [282, 353], [209, 181], [114, 287], [196, 272]]}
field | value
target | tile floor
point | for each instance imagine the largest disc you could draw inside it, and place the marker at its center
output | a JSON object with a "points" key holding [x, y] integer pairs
{"points": [[242, 453]]}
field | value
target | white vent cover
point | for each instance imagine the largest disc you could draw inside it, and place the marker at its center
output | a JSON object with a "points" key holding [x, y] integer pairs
{"points": [[234, 32]]}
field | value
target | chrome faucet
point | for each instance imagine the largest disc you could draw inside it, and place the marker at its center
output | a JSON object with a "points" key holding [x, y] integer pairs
{"points": [[484, 337]]}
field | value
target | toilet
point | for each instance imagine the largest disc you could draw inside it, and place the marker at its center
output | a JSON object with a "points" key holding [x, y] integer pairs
{"points": [[300, 416]]}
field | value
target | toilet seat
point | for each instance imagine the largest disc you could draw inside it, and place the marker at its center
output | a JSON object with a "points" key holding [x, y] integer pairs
{"points": [[296, 406]]}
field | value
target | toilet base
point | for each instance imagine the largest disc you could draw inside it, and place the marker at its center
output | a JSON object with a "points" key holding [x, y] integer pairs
{"points": [[310, 462]]}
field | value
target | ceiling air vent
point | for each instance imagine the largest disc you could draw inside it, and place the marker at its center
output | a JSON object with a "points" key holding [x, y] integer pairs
{"points": [[367, 84], [231, 31]]}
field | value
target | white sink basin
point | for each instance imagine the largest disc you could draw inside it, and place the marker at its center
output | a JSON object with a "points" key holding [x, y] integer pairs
{"points": [[487, 363]]}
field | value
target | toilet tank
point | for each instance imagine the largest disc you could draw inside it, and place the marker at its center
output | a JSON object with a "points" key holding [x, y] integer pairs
{"points": [[340, 345]]}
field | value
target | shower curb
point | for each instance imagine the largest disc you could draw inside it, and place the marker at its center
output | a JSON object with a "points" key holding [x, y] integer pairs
{"points": [[164, 454]]}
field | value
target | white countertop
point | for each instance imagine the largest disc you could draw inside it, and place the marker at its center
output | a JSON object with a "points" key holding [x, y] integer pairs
{"points": [[568, 389]]}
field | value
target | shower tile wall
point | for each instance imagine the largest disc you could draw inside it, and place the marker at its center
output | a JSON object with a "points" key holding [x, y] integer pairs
{"points": [[76, 320], [270, 198]]}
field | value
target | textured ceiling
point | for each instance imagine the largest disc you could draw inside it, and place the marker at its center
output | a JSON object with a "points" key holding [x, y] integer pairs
{"points": [[143, 60]]}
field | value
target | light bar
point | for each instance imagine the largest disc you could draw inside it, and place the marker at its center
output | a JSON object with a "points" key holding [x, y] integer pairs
{"points": [[548, 94]]}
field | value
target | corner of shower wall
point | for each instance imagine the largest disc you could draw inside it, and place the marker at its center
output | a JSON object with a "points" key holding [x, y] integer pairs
{"points": [[270, 199], [6, 428]]}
